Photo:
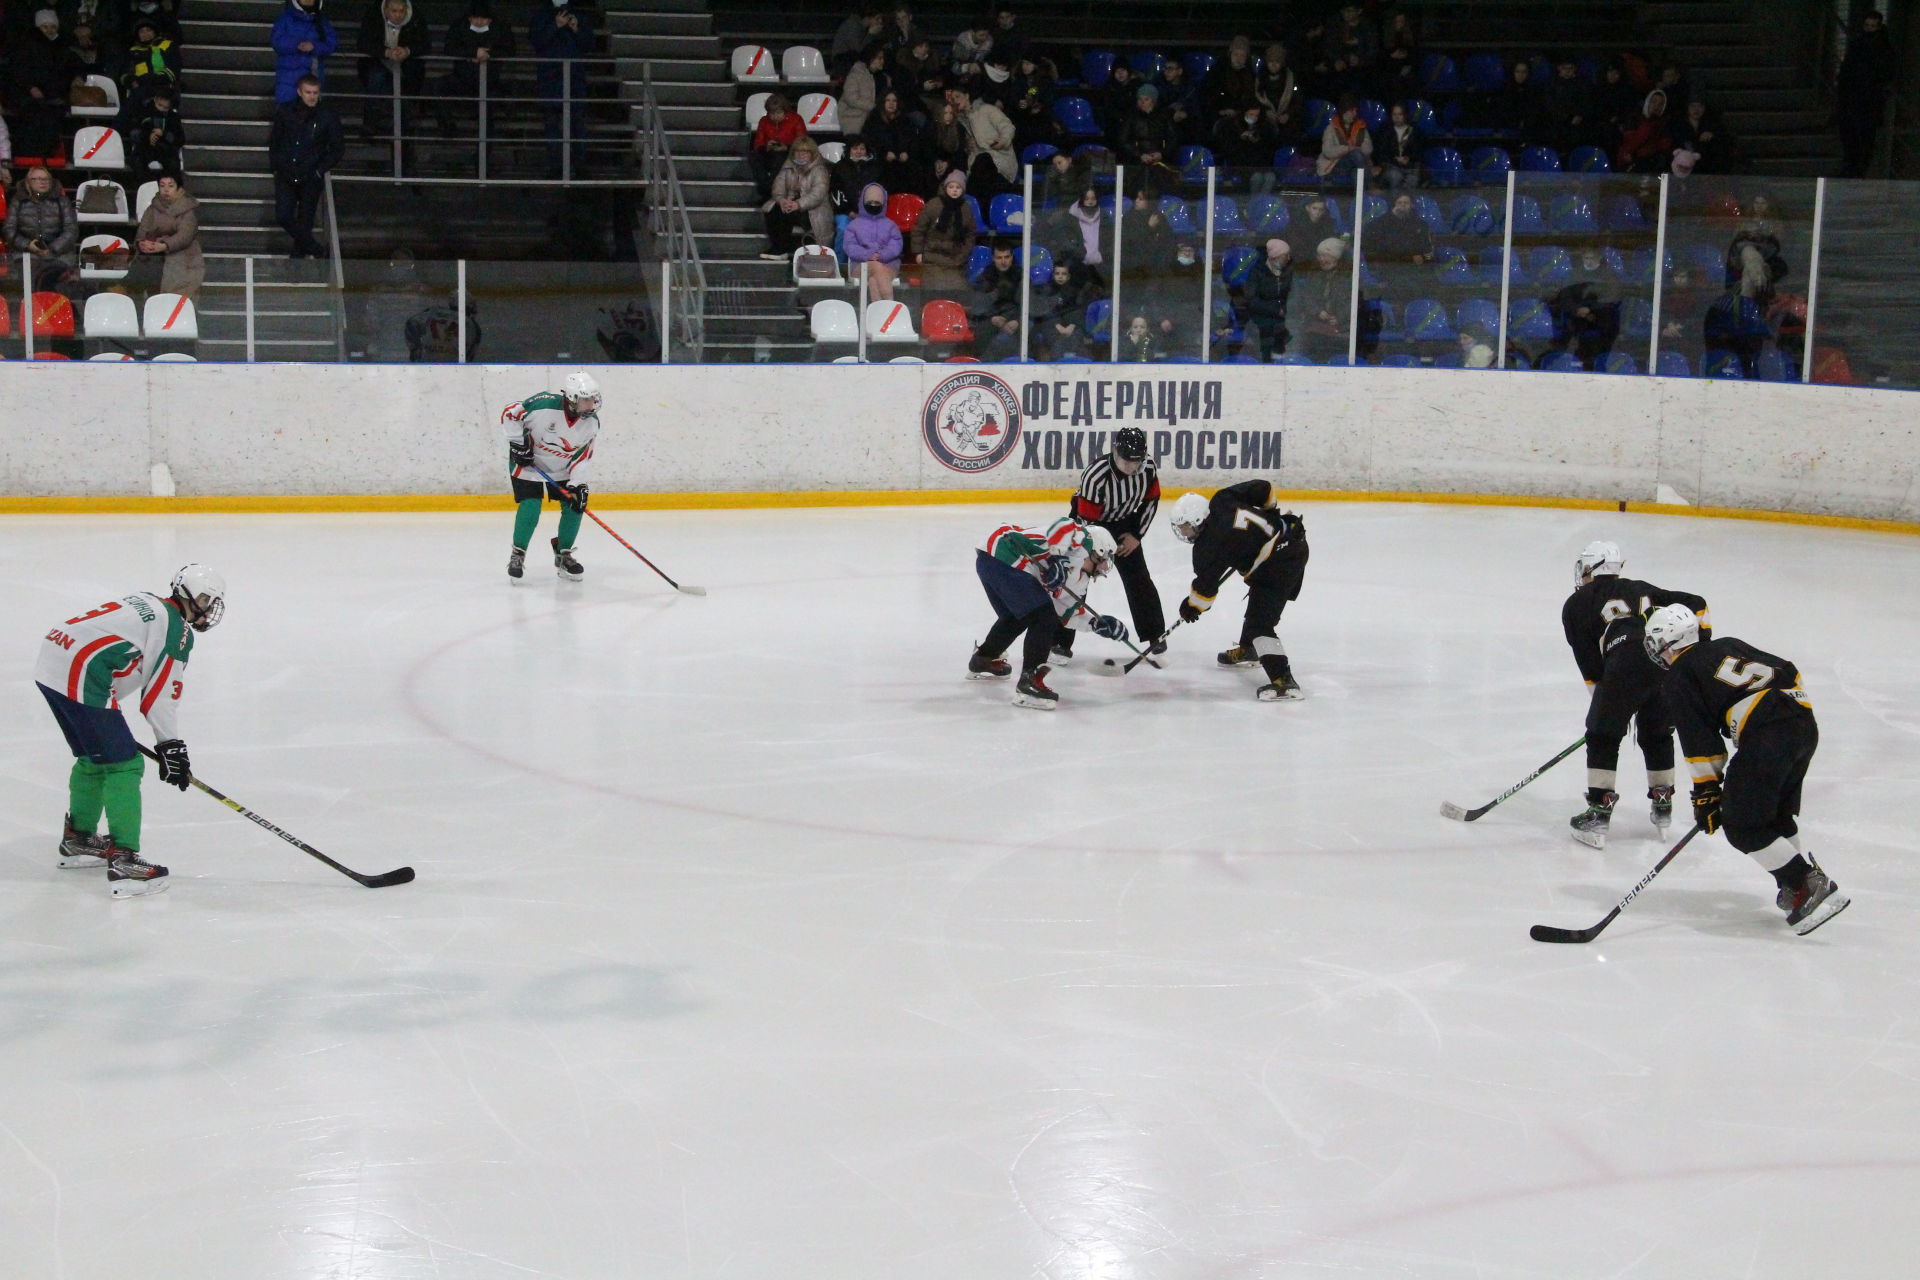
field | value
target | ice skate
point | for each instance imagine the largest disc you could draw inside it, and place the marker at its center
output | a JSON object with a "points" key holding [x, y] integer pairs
{"points": [[1814, 901], [81, 849], [129, 875], [1285, 688], [1062, 652], [1032, 691], [1662, 814], [1590, 827], [1239, 656], [982, 666], [517, 564], [564, 564]]}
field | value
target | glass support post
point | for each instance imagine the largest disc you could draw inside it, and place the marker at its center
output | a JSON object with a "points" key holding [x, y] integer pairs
{"points": [[1026, 262], [1114, 320], [1206, 278], [1813, 278], [1659, 278], [1506, 275], [1359, 234]]}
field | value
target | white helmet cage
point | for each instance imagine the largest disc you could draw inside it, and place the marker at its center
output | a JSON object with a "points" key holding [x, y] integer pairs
{"points": [[1595, 559], [1188, 514], [203, 591], [1672, 629]]}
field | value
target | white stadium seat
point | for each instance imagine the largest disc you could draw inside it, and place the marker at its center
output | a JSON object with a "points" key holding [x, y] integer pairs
{"points": [[753, 64], [833, 320], [175, 357], [833, 281], [107, 112], [833, 152], [906, 360], [106, 244], [110, 315], [171, 315], [756, 109], [115, 357], [820, 113], [889, 321], [143, 198], [98, 147], [803, 64], [848, 360]]}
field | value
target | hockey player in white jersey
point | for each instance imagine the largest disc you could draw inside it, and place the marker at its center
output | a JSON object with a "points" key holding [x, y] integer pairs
{"points": [[551, 431], [1037, 581], [127, 652]]}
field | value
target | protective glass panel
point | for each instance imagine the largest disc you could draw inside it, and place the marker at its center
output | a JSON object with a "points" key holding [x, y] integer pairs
{"points": [[1863, 324], [1580, 281], [539, 312], [1736, 270], [399, 311], [1072, 270]]}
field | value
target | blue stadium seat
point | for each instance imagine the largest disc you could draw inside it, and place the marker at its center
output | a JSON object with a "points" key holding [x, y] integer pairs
{"points": [[1382, 320], [979, 214], [1573, 215], [1242, 358], [1640, 266], [1449, 360], [1485, 72], [1236, 267], [1589, 67], [1072, 359], [1075, 115], [1539, 70], [1199, 65], [1673, 364], [1283, 158], [1224, 317], [1193, 163], [1038, 153], [1561, 362], [1470, 216], [1374, 113], [1636, 318], [1319, 112], [1420, 115], [1336, 214], [1096, 67], [1623, 213], [1437, 74], [1179, 216], [1226, 217], [1147, 64], [1490, 164], [1429, 210], [1042, 269], [977, 263], [1427, 321], [1292, 357], [1528, 320], [1527, 218], [1450, 265], [1003, 211], [1268, 214], [1539, 160], [1588, 160], [1444, 167], [1099, 319], [1479, 313], [1550, 265], [1489, 268], [1708, 264], [1618, 362]]}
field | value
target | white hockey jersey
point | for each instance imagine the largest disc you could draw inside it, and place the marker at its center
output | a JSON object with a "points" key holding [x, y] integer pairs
{"points": [[132, 650], [561, 443]]}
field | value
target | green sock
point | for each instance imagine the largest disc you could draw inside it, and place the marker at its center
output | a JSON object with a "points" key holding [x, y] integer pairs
{"points": [[86, 795], [121, 792], [569, 526], [524, 521]]}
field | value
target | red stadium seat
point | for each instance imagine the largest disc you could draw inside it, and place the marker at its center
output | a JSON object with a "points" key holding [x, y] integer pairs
{"points": [[52, 315], [903, 211], [943, 320]]}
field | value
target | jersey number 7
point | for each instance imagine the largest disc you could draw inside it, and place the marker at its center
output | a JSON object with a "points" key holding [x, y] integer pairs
{"points": [[1247, 518]]}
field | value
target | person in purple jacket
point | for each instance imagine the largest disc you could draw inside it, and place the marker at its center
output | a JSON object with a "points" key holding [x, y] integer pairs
{"points": [[872, 237]]}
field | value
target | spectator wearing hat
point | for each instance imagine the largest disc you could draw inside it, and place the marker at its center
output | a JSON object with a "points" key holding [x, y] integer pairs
{"points": [[393, 53], [1352, 49], [1648, 146], [1867, 76], [302, 42], [40, 79], [798, 204], [153, 62], [1328, 302], [170, 229], [1345, 145], [1234, 86], [1146, 143], [1278, 89], [1268, 290], [470, 45], [871, 237], [155, 134], [943, 236], [1476, 349]]}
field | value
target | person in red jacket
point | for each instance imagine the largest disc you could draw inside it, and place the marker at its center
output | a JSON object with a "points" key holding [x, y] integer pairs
{"points": [[778, 130], [1648, 146]]}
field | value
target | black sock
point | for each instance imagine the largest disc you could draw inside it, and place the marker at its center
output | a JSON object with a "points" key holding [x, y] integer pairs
{"points": [[1793, 875], [1041, 625], [1597, 796], [1276, 666]]}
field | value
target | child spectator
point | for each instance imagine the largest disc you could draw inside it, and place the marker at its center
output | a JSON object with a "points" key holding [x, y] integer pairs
{"points": [[171, 227], [155, 135], [872, 238], [302, 41], [798, 205], [1476, 352], [1139, 344], [152, 63], [773, 139], [943, 236]]}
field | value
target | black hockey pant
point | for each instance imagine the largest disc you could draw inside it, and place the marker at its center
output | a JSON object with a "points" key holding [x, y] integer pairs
{"points": [[1269, 590], [1143, 600], [1761, 795], [1019, 604], [1629, 691]]}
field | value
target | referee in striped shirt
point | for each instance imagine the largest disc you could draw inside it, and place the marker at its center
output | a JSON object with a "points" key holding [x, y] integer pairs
{"points": [[1121, 492]]}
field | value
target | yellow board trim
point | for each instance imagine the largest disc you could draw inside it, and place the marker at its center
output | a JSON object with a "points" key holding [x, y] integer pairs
{"points": [[320, 503]]}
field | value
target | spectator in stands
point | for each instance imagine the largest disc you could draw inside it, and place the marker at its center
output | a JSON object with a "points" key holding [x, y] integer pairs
{"points": [[947, 139], [1673, 82], [303, 40], [1060, 183], [1268, 290], [155, 135], [393, 52], [993, 306], [1029, 103], [1399, 151], [1116, 101], [561, 35], [153, 62], [1247, 141], [1008, 39], [1586, 315], [1146, 240], [1059, 313], [1401, 236], [1521, 106], [1088, 223], [867, 81], [1701, 132], [1399, 57], [991, 163], [943, 236], [1328, 303], [1235, 86], [1755, 264], [1139, 344], [471, 45], [85, 56], [170, 228], [40, 79], [1312, 225], [773, 139], [1569, 108], [858, 30], [898, 145], [856, 169], [1737, 325], [1172, 295], [1345, 145], [1277, 89], [872, 238], [1616, 105], [1867, 76], [922, 77], [900, 31], [970, 49], [6, 145], [1476, 349], [1180, 103], [798, 206], [302, 147], [107, 20], [164, 16], [1352, 49], [41, 225], [1648, 147], [1146, 144]]}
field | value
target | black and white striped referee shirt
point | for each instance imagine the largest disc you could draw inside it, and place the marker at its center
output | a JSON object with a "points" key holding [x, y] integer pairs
{"points": [[1124, 504]]}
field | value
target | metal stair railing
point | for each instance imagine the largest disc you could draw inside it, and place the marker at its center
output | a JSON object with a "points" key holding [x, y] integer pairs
{"points": [[672, 227]]}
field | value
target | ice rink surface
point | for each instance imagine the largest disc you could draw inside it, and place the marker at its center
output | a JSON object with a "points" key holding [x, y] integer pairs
{"points": [[752, 942]]}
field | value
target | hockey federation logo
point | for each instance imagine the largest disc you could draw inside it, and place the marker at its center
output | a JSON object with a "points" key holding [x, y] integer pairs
{"points": [[971, 422]]}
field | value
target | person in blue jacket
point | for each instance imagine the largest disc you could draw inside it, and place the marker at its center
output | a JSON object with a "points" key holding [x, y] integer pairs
{"points": [[559, 34], [303, 40]]}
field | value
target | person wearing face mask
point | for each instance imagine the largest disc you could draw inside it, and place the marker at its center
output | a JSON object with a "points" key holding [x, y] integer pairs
{"points": [[799, 204], [872, 238], [472, 44], [393, 49], [1172, 298], [302, 40], [1246, 140]]}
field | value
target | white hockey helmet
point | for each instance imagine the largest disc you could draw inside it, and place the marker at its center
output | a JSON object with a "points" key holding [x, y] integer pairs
{"points": [[1672, 629], [582, 393], [1189, 513], [201, 594], [1101, 549], [1597, 559]]}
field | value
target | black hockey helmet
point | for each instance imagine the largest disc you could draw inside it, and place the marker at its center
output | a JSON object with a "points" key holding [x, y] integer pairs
{"points": [[1130, 443]]}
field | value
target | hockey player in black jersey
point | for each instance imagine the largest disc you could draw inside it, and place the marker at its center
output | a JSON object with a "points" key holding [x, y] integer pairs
{"points": [[1723, 686], [1120, 493], [1242, 531], [1602, 620]]}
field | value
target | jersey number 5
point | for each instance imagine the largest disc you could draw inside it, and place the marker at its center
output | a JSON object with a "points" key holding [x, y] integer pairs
{"points": [[1744, 675]]}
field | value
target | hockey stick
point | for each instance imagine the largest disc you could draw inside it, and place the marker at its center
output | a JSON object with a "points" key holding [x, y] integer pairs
{"points": [[1448, 809], [400, 875], [685, 591], [1107, 666], [1110, 667], [1548, 933]]}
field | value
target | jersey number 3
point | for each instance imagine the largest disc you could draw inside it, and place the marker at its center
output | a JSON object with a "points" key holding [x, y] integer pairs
{"points": [[1744, 675]]}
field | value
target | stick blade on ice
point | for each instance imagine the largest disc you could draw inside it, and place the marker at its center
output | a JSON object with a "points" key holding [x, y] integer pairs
{"points": [[400, 875], [1547, 933], [691, 591], [1107, 667], [1448, 809]]}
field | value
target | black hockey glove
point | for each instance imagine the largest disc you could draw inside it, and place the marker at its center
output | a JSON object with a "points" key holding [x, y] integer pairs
{"points": [[1109, 627], [1188, 613], [174, 770], [1706, 806], [520, 453], [1053, 572], [579, 499]]}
